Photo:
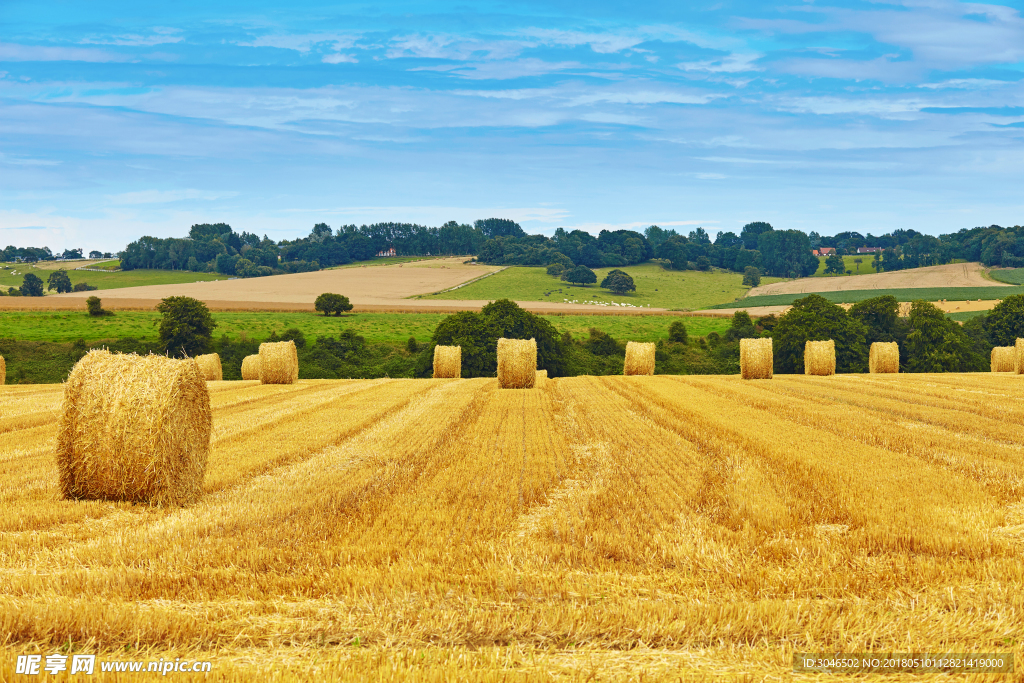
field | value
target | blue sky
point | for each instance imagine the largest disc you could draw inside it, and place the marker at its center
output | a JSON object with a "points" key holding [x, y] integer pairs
{"points": [[119, 119]]}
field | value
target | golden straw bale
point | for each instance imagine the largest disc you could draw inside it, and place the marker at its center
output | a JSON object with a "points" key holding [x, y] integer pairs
{"points": [[820, 358], [884, 357], [517, 363], [279, 363], [209, 365], [251, 367], [1018, 362], [1004, 359], [542, 378], [134, 428], [639, 359], [447, 362], [756, 359], [3, 371]]}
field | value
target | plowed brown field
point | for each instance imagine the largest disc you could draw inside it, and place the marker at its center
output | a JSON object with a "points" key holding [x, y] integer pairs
{"points": [[611, 528]]}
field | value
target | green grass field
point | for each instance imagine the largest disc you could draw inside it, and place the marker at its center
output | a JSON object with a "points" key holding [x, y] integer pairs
{"points": [[655, 286], [868, 265], [1011, 276], [853, 296], [130, 278], [65, 326]]}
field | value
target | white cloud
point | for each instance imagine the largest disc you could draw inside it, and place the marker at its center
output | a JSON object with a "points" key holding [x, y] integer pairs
{"points": [[733, 63], [339, 58], [14, 52], [167, 196], [158, 36]]}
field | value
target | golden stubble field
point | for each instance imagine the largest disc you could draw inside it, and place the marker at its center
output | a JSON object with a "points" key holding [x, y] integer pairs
{"points": [[611, 528]]}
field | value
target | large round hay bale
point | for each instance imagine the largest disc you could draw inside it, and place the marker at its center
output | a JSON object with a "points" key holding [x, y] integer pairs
{"points": [[820, 358], [756, 359], [134, 428], [517, 363], [884, 357], [639, 358], [209, 365], [1004, 359], [279, 363], [447, 362], [3, 371], [1019, 356], [251, 367]]}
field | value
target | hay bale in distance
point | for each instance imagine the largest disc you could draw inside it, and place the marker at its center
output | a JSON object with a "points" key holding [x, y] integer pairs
{"points": [[251, 367], [1019, 356], [884, 357], [820, 358], [542, 378], [134, 428], [1004, 359], [639, 359], [517, 363], [447, 362], [3, 371], [756, 358], [279, 363], [209, 365]]}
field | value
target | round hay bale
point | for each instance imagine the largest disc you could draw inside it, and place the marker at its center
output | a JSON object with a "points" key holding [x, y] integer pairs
{"points": [[251, 367], [639, 359], [1004, 359], [279, 363], [756, 359], [884, 357], [517, 363], [447, 362], [209, 365], [3, 371], [134, 428], [542, 378], [1018, 362], [820, 358]]}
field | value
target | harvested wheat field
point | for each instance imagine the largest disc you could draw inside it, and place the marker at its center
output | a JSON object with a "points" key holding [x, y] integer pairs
{"points": [[594, 528]]}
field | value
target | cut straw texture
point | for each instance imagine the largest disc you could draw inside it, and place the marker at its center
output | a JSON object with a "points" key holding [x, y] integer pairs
{"points": [[517, 363], [209, 365], [279, 363], [820, 358], [756, 360], [542, 378], [1004, 359], [639, 359], [134, 428], [884, 357], [1019, 356], [3, 371], [251, 367], [447, 362]]}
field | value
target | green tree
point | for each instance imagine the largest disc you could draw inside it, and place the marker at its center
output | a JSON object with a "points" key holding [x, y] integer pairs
{"points": [[938, 344], [677, 332], [186, 325], [834, 265], [742, 327], [751, 276], [478, 334], [31, 285], [245, 268], [619, 282], [59, 280], [95, 306], [879, 316], [1005, 322], [703, 263], [328, 304], [580, 275], [858, 261], [815, 318], [556, 269]]}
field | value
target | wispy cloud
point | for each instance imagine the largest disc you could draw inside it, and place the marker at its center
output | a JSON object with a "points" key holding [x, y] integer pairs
{"points": [[14, 52]]}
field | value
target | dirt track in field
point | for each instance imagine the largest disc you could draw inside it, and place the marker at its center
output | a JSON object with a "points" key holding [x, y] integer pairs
{"points": [[950, 275]]}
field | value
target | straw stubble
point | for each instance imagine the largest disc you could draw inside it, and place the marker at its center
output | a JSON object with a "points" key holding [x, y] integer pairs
{"points": [[134, 428]]}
